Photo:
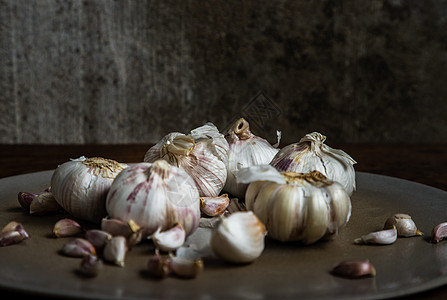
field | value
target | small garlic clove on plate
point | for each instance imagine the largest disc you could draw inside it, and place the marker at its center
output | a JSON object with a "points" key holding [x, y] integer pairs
{"points": [[25, 200], [158, 266], [239, 238], [11, 237], [67, 227], [116, 227], [90, 265], [78, 247], [15, 226], [381, 237], [354, 269], [171, 239], [43, 204], [439, 232], [185, 268], [214, 206], [115, 250], [98, 238], [404, 224]]}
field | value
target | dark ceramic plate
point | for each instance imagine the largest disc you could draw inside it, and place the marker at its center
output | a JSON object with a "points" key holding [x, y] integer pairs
{"points": [[283, 271]]}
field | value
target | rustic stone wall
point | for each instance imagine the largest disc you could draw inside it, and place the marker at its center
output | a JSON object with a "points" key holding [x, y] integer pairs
{"points": [[104, 71]]}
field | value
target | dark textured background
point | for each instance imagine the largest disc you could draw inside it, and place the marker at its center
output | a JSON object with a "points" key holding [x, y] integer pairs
{"points": [[132, 71]]}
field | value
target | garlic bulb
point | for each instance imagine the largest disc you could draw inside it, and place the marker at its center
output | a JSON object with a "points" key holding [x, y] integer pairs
{"points": [[310, 154], [239, 238], [80, 186], [202, 154], [303, 207], [155, 195], [246, 149]]}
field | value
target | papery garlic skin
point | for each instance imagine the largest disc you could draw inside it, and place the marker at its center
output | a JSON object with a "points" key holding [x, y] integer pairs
{"points": [[304, 207], [81, 185], [311, 154], [246, 149], [203, 154], [155, 195], [239, 238]]}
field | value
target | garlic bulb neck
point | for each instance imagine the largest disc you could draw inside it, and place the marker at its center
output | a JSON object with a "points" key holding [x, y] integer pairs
{"points": [[241, 129], [314, 177], [106, 168], [315, 139], [180, 145]]}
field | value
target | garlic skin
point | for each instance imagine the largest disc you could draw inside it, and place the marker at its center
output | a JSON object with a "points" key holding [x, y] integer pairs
{"points": [[311, 154], [81, 185], [246, 149], [155, 195], [304, 207], [203, 154], [239, 238]]}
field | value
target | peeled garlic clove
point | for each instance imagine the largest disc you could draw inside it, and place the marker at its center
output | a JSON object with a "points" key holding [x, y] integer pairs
{"points": [[11, 237], [354, 269], [15, 226], [404, 224], [185, 268], [202, 154], [382, 237], [98, 238], [78, 247], [213, 206], [439, 232], [81, 185], [155, 195], [311, 154], [239, 238], [170, 239], [90, 265], [246, 149], [66, 227], [115, 250], [158, 266]]}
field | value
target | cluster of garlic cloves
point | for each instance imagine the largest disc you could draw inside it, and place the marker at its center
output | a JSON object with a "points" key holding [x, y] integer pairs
{"points": [[311, 154], [202, 154], [246, 149], [40, 203]]}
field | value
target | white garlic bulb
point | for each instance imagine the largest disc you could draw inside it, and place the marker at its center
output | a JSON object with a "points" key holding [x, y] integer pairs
{"points": [[246, 149], [238, 238], [311, 154], [303, 207], [155, 195], [81, 185], [202, 154]]}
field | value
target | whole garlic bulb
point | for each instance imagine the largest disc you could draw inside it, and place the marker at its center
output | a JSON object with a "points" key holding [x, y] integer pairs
{"points": [[81, 185], [238, 238], [310, 154], [155, 195], [246, 149], [202, 154], [303, 207]]}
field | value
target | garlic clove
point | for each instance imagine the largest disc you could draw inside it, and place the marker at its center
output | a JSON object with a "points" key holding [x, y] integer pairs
{"points": [[185, 268], [15, 226], [404, 224], [235, 205], [116, 227], [90, 265], [354, 269], [67, 227], [239, 238], [44, 203], [98, 238], [170, 239], [11, 237], [381, 237], [115, 250], [78, 247], [439, 232], [214, 206], [25, 200], [158, 266]]}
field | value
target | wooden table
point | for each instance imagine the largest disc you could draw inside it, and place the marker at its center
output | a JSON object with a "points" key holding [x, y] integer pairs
{"points": [[426, 164]]}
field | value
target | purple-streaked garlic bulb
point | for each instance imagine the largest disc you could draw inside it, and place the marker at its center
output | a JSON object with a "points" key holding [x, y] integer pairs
{"points": [[155, 195], [202, 154], [81, 185], [246, 149], [311, 154]]}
